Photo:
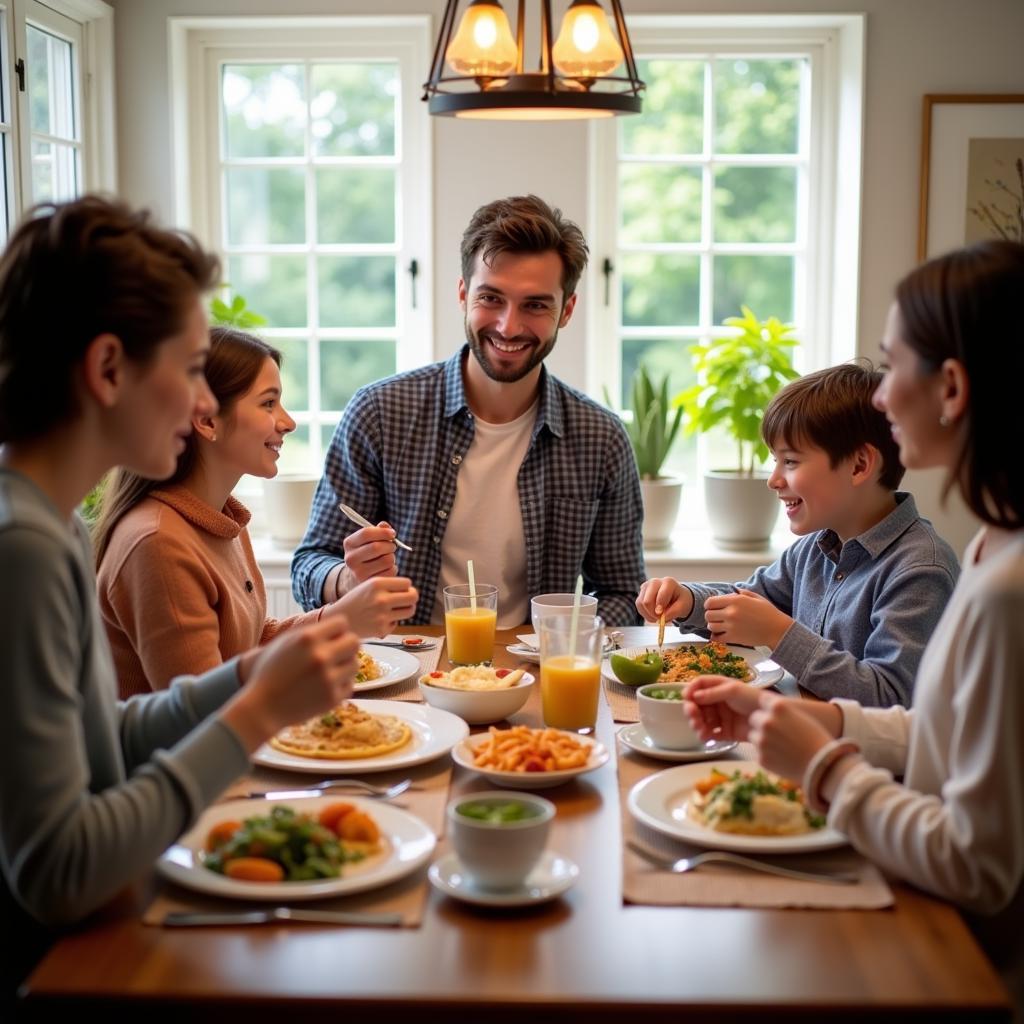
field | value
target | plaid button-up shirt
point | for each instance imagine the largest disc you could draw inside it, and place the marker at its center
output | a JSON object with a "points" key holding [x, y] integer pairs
{"points": [[396, 454]]}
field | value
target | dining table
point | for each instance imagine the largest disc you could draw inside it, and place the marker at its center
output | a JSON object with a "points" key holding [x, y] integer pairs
{"points": [[586, 956]]}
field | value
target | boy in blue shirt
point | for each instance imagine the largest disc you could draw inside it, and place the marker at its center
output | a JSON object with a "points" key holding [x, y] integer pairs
{"points": [[849, 607]]}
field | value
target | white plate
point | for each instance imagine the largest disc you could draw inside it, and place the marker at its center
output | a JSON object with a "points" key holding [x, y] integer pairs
{"points": [[434, 732], [398, 666], [408, 843], [766, 672], [660, 801], [635, 737], [462, 754], [524, 653], [550, 878]]}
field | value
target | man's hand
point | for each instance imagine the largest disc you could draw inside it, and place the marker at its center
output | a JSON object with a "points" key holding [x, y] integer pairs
{"points": [[370, 552], [745, 618], [376, 606], [666, 597]]}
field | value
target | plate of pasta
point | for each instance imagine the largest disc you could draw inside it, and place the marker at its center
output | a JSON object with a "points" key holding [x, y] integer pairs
{"points": [[525, 758], [383, 666], [685, 661]]}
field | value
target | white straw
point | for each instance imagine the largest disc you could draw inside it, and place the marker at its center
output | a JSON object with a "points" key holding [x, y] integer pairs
{"points": [[574, 623], [472, 584]]}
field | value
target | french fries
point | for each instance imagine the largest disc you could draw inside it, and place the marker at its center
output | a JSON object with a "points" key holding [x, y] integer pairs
{"points": [[522, 749]]}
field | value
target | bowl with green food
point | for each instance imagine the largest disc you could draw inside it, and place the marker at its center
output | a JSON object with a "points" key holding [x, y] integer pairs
{"points": [[499, 837], [664, 717]]}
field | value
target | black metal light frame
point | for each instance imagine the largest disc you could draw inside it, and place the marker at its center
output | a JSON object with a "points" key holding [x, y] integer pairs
{"points": [[543, 89]]}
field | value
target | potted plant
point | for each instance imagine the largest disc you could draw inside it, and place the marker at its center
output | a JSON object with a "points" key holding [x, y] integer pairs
{"points": [[738, 377], [652, 430]]}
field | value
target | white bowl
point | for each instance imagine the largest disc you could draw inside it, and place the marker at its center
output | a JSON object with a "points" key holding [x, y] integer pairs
{"points": [[666, 721], [462, 754], [479, 706], [500, 854]]}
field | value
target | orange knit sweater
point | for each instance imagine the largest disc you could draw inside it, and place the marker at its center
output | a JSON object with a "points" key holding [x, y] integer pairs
{"points": [[180, 590]]}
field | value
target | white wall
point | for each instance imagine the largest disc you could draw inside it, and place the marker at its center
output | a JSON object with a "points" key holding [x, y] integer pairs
{"points": [[913, 47]]}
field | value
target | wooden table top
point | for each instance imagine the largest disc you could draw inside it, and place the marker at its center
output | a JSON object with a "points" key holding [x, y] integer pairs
{"points": [[583, 957]]}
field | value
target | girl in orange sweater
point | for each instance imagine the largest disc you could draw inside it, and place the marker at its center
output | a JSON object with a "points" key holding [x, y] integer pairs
{"points": [[179, 587]]}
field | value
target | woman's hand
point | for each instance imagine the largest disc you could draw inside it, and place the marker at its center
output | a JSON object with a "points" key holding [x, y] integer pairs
{"points": [[304, 671], [720, 708], [376, 606], [666, 597], [785, 734]]}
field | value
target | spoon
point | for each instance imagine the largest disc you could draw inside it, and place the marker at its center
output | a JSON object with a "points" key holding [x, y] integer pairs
{"points": [[363, 521]]}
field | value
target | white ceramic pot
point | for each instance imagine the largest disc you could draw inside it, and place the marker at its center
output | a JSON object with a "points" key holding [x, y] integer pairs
{"points": [[288, 498], [661, 508], [742, 510]]}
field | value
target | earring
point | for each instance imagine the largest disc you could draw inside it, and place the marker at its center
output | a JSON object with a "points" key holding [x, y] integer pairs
{"points": [[213, 437], [943, 421]]}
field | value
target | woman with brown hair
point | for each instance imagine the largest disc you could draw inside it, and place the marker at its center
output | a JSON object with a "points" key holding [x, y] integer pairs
{"points": [[179, 586], [103, 339], [955, 824]]}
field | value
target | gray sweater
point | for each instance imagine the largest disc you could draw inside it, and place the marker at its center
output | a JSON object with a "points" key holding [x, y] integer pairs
{"points": [[91, 790]]}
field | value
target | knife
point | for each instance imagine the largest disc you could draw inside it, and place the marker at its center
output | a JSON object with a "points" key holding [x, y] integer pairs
{"points": [[190, 919], [363, 521]]}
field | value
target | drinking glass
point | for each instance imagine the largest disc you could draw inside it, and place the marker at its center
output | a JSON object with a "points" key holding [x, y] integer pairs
{"points": [[570, 671], [559, 604], [469, 621]]}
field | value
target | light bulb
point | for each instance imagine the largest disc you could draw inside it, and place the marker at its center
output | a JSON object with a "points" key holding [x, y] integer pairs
{"points": [[585, 47], [483, 44]]}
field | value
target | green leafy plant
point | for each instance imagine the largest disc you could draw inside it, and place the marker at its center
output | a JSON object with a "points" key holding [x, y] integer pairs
{"points": [[654, 425], [738, 377], [233, 313]]}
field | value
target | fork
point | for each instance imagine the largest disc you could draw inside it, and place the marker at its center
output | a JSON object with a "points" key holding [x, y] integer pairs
{"points": [[684, 864], [383, 792]]}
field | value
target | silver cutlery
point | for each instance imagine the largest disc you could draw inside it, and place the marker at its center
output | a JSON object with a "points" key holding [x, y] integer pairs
{"points": [[189, 919], [409, 643], [684, 864], [368, 788], [363, 521]]}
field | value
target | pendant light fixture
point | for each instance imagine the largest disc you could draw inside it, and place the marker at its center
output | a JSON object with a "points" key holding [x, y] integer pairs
{"points": [[587, 71]]}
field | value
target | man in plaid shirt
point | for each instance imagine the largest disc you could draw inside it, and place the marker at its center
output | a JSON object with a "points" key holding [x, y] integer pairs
{"points": [[487, 455]]}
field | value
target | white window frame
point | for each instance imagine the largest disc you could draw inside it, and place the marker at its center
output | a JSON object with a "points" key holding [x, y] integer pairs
{"points": [[830, 239], [89, 25], [200, 46]]}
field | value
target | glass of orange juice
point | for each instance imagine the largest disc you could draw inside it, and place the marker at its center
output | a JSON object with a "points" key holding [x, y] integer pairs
{"points": [[470, 619], [570, 671]]}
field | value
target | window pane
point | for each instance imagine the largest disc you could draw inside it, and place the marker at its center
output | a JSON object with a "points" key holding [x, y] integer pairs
{"points": [[659, 203], [54, 171], [355, 204], [294, 372], [357, 291], [757, 106], [296, 453], [353, 109], [50, 89], [660, 290], [673, 116], [660, 357], [348, 365], [755, 204], [273, 285], [764, 283], [264, 110], [266, 207], [5, 183]]}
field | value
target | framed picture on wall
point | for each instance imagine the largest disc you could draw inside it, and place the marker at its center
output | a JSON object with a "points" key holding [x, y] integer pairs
{"points": [[972, 171]]}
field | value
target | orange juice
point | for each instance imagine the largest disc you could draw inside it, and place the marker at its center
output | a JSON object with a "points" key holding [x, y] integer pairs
{"points": [[569, 688], [470, 634]]}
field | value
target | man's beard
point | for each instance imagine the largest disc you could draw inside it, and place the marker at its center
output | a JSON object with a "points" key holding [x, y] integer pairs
{"points": [[538, 353]]}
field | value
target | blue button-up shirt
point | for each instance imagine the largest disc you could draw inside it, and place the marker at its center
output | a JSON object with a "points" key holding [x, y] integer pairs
{"points": [[863, 610], [395, 456]]}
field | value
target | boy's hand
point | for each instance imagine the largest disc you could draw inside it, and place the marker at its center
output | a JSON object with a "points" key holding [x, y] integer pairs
{"points": [[666, 597], [745, 618], [377, 605]]}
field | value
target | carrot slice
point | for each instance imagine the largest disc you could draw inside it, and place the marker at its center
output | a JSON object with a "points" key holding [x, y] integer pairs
{"points": [[254, 869]]}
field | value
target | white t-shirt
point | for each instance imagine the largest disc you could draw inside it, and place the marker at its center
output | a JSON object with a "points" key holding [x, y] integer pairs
{"points": [[486, 520]]}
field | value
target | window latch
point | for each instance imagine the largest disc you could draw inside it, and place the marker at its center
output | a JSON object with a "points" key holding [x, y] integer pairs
{"points": [[414, 269], [606, 268], [19, 70]]}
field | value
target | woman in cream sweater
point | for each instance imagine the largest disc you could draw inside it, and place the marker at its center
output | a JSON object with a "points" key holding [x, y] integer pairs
{"points": [[179, 587]]}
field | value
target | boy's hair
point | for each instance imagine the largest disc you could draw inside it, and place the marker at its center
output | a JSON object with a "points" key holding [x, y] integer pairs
{"points": [[831, 409], [71, 272], [524, 224]]}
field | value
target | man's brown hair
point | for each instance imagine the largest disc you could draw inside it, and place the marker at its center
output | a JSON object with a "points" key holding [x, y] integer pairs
{"points": [[831, 409], [524, 224]]}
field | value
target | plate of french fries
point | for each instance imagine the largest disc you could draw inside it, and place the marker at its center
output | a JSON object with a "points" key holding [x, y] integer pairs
{"points": [[523, 758]]}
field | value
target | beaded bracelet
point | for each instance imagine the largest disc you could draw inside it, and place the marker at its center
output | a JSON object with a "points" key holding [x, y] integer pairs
{"points": [[819, 766]]}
